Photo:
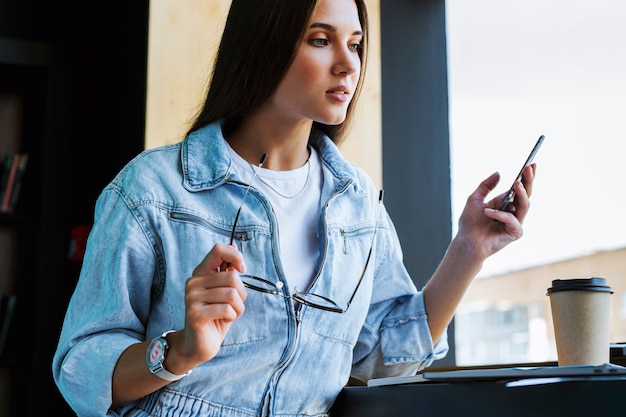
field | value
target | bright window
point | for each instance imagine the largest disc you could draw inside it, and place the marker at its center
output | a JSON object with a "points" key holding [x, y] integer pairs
{"points": [[519, 69]]}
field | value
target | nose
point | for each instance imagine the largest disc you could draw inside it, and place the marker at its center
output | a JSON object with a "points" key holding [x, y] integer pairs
{"points": [[347, 62]]}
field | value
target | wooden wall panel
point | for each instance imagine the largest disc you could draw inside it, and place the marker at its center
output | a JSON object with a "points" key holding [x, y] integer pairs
{"points": [[183, 37]]}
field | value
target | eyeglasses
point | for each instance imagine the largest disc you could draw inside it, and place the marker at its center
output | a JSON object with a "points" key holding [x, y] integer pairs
{"points": [[309, 299]]}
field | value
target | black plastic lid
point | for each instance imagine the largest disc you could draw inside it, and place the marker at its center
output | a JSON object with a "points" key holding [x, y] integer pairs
{"points": [[580, 284]]}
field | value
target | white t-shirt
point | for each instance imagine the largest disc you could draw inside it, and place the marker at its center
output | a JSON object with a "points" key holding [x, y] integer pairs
{"points": [[295, 198]]}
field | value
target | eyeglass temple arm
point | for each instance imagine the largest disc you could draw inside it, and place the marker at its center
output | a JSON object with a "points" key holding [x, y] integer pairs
{"points": [[369, 255], [243, 199]]}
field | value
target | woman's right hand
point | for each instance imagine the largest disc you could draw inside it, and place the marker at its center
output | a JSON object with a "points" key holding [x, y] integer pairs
{"points": [[214, 298]]}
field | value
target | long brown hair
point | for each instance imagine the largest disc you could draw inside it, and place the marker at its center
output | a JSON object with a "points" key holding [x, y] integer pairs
{"points": [[259, 43]]}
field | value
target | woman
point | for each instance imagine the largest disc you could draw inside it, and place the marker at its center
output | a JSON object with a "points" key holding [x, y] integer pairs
{"points": [[189, 299]]}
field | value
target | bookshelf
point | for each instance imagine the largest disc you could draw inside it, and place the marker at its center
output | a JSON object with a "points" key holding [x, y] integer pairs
{"points": [[24, 76], [67, 87], [10, 131]]}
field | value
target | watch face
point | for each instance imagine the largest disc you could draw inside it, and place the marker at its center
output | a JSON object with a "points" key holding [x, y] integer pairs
{"points": [[155, 352]]}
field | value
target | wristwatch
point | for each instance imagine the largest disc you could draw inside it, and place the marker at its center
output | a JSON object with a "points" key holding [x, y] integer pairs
{"points": [[155, 356]]}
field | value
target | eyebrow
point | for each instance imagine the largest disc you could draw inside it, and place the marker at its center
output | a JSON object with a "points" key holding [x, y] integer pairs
{"points": [[332, 28]]}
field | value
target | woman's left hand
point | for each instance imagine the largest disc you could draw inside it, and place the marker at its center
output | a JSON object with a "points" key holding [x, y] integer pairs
{"points": [[485, 227], [483, 231]]}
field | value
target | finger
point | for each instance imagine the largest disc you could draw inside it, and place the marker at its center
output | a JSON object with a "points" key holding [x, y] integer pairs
{"points": [[203, 319], [485, 187], [522, 201], [226, 312], [228, 266], [528, 177], [512, 225], [220, 256], [499, 215], [216, 281], [220, 288], [222, 303]]}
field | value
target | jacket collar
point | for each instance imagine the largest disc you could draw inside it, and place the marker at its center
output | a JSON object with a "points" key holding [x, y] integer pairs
{"points": [[207, 164]]}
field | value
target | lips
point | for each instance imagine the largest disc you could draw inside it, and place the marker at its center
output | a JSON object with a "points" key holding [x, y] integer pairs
{"points": [[340, 93], [338, 90]]}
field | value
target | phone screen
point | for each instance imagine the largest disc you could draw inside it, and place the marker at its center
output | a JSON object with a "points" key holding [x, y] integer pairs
{"points": [[511, 194]]}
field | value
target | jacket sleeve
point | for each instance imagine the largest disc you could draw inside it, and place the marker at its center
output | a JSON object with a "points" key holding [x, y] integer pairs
{"points": [[107, 312], [395, 339]]}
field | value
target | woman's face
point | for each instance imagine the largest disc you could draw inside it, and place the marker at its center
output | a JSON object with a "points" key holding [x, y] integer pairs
{"points": [[321, 81]]}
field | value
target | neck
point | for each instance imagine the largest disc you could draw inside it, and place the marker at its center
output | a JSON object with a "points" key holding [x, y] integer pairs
{"points": [[286, 145]]}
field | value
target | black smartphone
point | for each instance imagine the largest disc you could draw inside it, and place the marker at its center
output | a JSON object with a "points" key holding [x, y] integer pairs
{"points": [[511, 194]]}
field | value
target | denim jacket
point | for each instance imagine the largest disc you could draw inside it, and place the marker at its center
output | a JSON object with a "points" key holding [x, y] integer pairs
{"points": [[157, 220]]}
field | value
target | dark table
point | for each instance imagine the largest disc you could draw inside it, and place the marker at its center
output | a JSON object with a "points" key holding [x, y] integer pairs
{"points": [[549, 397]]}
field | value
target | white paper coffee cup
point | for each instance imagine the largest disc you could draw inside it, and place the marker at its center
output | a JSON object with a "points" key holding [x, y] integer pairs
{"points": [[581, 310]]}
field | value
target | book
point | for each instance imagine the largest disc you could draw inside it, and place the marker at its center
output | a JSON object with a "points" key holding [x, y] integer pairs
{"points": [[7, 161], [17, 184], [14, 168], [8, 187], [7, 307]]}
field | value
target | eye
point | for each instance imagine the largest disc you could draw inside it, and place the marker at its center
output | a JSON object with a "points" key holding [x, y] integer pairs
{"points": [[355, 47], [319, 42]]}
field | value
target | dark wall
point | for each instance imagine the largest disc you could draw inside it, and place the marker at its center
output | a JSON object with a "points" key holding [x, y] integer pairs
{"points": [[84, 66], [101, 59], [416, 154], [106, 52]]}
